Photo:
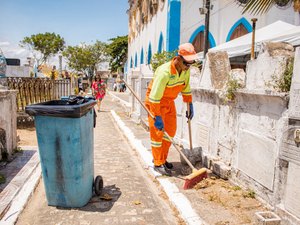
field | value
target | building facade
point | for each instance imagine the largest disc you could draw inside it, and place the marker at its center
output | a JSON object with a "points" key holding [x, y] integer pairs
{"points": [[249, 140], [161, 25]]}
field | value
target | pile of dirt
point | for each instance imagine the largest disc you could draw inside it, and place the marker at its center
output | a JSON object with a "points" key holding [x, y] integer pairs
{"points": [[228, 199]]}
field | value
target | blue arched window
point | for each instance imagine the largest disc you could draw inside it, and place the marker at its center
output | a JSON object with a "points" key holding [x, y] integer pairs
{"points": [[197, 39], [173, 25], [149, 54], [240, 28], [135, 60], [142, 56], [161, 43]]}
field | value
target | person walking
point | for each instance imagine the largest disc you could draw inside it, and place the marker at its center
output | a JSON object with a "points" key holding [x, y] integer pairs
{"points": [[99, 90], [168, 81], [80, 83]]}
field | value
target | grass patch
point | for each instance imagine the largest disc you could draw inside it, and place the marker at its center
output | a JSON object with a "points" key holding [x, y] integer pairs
{"points": [[249, 194], [236, 188], [2, 179], [18, 149]]}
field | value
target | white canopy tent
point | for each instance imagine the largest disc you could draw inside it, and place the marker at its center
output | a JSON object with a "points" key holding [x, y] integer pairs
{"points": [[291, 36], [275, 32]]}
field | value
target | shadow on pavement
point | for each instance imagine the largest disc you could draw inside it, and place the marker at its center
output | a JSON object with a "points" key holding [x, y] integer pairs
{"points": [[98, 203], [11, 169]]}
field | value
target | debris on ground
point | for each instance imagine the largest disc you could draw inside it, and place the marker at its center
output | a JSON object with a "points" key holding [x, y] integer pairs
{"points": [[137, 202], [106, 197], [228, 199]]}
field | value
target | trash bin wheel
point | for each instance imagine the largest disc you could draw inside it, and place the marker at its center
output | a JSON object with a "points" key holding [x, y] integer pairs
{"points": [[98, 185]]}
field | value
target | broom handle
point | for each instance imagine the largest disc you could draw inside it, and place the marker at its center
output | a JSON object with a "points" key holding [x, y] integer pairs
{"points": [[190, 128], [165, 133]]}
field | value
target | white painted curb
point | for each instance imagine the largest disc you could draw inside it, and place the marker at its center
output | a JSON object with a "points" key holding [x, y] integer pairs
{"points": [[123, 102], [21, 199], [178, 199]]}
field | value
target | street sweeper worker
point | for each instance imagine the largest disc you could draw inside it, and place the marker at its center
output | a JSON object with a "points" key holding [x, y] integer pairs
{"points": [[168, 81]]}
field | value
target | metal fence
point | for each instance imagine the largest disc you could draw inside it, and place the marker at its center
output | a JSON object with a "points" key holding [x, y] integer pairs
{"points": [[36, 90]]}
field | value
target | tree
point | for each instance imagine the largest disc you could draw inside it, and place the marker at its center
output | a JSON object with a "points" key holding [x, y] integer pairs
{"points": [[85, 58], [161, 58], [43, 46], [117, 50], [262, 6]]}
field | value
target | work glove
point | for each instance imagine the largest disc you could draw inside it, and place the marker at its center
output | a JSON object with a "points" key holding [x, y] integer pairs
{"points": [[191, 115], [159, 124]]}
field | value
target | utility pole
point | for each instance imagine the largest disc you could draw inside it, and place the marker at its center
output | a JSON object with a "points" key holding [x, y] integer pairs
{"points": [[206, 31]]}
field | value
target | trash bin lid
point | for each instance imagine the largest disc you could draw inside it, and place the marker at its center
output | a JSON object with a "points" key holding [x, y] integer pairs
{"points": [[61, 108]]}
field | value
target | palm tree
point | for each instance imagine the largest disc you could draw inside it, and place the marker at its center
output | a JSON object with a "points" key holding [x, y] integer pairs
{"points": [[262, 6]]}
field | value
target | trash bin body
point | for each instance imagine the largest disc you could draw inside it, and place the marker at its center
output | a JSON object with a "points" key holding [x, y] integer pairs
{"points": [[67, 158]]}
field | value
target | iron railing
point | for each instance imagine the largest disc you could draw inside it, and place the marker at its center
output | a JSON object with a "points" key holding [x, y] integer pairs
{"points": [[36, 90]]}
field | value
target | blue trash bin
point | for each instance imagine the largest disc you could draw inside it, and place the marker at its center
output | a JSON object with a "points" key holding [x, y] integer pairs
{"points": [[65, 139]]}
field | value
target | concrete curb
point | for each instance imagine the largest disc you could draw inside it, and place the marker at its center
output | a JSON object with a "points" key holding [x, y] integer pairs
{"points": [[177, 198], [22, 195], [19, 202]]}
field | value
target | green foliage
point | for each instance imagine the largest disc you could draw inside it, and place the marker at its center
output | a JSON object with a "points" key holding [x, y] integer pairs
{"points": [[249, 194], [84, 58], [232, 86], [18, 149], [117, 50], [47, 44], [161, 58], [283, 84], [263, 6], [2, 179], [236, 188]]}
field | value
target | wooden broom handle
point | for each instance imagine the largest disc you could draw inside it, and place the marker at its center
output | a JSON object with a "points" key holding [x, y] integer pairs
{"points": [[189, 124], [137, 98]]}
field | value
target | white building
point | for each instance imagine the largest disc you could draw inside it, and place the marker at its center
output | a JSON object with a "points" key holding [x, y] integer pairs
{"points": [[252, 137], [157, 25]]}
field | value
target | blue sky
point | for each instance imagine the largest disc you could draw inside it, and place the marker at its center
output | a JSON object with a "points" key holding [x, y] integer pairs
{"points": [[76, 21]]}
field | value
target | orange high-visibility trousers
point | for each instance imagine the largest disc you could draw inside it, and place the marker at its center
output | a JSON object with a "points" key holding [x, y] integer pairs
{"points": [[160, 144]]}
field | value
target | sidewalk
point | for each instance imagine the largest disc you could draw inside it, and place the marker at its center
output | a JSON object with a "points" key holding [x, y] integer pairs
{"points": [[136, 198], [140, 195]]}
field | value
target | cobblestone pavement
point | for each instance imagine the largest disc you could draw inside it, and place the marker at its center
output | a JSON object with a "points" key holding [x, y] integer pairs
{"points": [[136, 197]]}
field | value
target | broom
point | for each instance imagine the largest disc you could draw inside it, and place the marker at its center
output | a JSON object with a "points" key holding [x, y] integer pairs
{"points": [[197, 175]]}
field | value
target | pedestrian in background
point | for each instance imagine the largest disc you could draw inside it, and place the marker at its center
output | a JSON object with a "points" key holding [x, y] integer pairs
{"points": [[168, 81], [80, 83], [99, 90], [115, 86]]}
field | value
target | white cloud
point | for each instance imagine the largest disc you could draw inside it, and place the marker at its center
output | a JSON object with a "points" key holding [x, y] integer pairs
{"points": [[4, 43], [13, 50]]}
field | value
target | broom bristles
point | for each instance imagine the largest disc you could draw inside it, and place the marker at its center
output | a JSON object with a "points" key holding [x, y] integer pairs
{"points": [[194, 178]]}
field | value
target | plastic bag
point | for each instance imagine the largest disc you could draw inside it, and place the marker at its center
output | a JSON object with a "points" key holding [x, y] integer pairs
{"points": [[73, 107]]}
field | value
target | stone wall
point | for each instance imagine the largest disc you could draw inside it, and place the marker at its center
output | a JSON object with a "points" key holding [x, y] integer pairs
{"points": [[18, 71], [8, 121], [253, 135]]}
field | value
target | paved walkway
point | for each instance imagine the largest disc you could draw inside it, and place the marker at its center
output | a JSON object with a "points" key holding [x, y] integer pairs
{"points": [[135, 196]]}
